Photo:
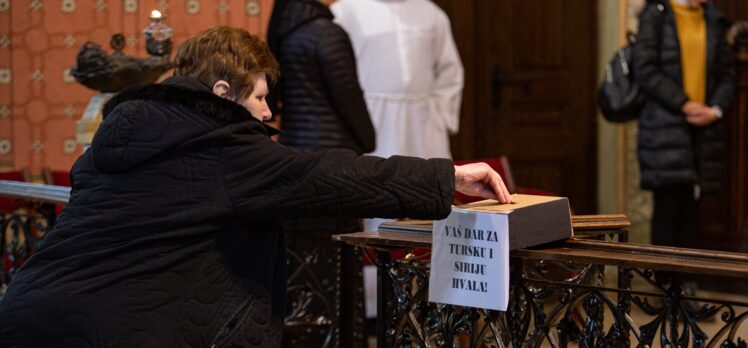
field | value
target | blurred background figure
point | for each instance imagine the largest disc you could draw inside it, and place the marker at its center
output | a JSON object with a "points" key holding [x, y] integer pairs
{"points": [[322, 107], [321, 103], [684, 66], [409, 69], [412, 77]]}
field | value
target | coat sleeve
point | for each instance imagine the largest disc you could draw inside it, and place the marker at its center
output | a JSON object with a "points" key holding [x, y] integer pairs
{"points": [[266, 180], [449, 76], [725, 73], [338, 65], [649, 77]]}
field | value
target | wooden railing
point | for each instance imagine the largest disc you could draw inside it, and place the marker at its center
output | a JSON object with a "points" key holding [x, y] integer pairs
{"points": [[558, 293]]}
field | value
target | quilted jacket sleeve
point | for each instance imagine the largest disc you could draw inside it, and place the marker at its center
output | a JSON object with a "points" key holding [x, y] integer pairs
{"points": [[338, 65], [266, 180]]}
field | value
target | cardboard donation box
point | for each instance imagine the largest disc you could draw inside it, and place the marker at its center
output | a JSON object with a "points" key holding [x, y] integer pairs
{"points": [[470, 248]]}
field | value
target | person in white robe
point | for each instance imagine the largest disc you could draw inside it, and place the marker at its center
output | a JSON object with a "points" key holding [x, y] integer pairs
{"points": [[411, 74], [412, 78]]}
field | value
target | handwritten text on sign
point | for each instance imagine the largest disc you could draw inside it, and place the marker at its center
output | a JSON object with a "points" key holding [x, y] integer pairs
{"points": [[470, 260]]}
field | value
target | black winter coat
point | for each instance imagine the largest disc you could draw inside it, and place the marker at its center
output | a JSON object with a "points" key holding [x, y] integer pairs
{"points": [[672, 152], [171, 237], [323, 104]]}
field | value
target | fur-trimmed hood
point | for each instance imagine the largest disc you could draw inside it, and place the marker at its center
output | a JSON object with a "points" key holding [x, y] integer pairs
{"points": [[144, 121]]}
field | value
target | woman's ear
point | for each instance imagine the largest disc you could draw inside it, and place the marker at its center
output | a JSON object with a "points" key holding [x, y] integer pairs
{"points": [[221, 88]]}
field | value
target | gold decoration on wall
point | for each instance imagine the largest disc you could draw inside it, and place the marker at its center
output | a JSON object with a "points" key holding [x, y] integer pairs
{"points": [[36, 5], [192, 6], [5, 76], [67, 77], [223, 6], [37, 146], [68, 6], [4, 111], [69, 146], [252, 7], [4, 5], [163, 5], [131, 6], [132, 40], [5, 146], [69, 41], [37, 76], [69, 111], [4, 41], [100, 5]]}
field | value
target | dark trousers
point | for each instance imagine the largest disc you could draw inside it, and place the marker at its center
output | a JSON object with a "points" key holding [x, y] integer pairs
{"points": [[675, 217]]}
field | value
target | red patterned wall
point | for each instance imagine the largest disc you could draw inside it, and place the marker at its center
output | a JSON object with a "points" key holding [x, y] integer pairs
{"points": [[39, 40]]}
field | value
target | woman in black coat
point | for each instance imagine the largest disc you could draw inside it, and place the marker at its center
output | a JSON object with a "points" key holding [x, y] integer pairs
{"points": [[681, 137], [171, 235]]}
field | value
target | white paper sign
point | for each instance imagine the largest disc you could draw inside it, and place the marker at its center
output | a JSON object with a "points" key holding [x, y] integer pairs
{"points": [[470, 260]]}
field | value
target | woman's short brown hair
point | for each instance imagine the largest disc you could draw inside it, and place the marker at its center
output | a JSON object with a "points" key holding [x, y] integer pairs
{"points": [[230, 54]]}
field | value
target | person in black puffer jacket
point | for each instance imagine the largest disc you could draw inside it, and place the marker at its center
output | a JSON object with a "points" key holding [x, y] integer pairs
{"points": [[684, 67], [323, 107], [171, 235]]}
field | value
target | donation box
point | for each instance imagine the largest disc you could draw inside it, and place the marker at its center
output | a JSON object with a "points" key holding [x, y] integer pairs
{"points": [[470, 248]]}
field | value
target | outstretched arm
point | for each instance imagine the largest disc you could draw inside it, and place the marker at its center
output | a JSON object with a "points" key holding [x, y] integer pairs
{"points": [[266, 180]]}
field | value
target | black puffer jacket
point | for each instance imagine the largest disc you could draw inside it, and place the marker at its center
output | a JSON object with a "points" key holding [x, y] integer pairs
{"points": [[323, 105], [171, 238], [670, 150]]}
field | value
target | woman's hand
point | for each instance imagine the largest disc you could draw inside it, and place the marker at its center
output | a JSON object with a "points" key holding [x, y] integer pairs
{"points": [[699, 114], [703, 117], [480, 180], [691, 107]]}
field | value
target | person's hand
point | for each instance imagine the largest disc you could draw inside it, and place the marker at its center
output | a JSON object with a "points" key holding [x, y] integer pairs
{"points": [[693, 107], [480, 180], [702, 117]]}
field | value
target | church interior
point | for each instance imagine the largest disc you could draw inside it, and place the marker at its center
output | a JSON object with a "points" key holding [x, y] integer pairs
{"points": [[529, 108]]}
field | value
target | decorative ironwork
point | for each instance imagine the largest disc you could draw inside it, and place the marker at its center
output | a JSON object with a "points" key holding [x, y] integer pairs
{"points": [[555, 304], [311, 294], [325, 292], [21, 232]]}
